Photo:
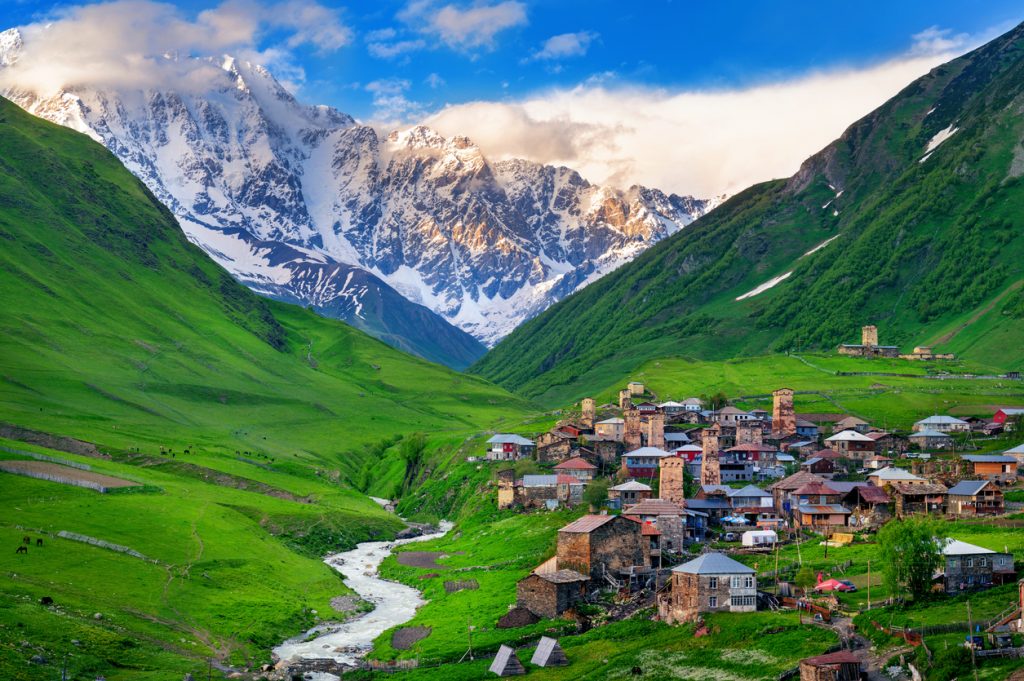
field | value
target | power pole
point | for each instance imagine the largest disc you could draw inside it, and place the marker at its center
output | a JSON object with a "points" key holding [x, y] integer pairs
{"points": [[869, 585], [776, 568], [826, 540], [970, 639]]}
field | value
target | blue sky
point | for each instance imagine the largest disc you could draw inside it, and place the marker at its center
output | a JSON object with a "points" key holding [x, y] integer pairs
{"points": [[700, 98], [693, 45]]}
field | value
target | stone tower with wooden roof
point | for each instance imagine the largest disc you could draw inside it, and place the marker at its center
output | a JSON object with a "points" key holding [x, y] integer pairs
{"points": [[710, 467]]}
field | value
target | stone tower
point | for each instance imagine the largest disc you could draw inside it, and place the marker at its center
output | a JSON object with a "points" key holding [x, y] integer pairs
{"points": [[869, 336], [710, 468], [589, 409], [670, 482], [625, 399], [631, 431], [749, 433], [783, 413], [655, 430]]}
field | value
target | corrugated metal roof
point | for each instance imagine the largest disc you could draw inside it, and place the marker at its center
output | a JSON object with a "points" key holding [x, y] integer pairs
{"points": [[941, 419], [817, 509], [562, 577], [540, 480], [748, 491], [988, 458], [714, 564], [631, 486], [968, 488], [648, 451], [576, 463], [849, 436], [927, 432], [509, 438], [587, 523], [655, 507], [955, 547], [893, 474]]}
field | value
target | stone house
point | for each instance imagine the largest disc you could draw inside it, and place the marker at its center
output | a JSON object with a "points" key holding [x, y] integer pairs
{"points": [[712, 582], [610, 428], [851, 444], [930, 439], [974, 497], [629, 493], [888, 443], [970, 567], [666, 516], [538, 491], [843, 665], [550, 593], [600, 545], [911, 498], [782, 490], [994, 467], [730, 416], [644, 426], [890, 475], [851, 423], [577, 467], [824, 467], [643, 462], [509, 447], [869, 346], [555, 445]]}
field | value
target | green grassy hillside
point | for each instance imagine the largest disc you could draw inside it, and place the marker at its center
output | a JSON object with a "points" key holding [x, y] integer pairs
{"points": [[929, 249], [246, 422]]}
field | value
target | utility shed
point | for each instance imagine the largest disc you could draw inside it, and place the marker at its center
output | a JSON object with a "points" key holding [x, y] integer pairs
{"points": [[506, 663], [549, 654], [549, 594], [840, 666]]}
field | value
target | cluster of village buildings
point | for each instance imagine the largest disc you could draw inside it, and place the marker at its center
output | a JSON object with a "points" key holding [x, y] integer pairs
{"points": [[684, 472]]}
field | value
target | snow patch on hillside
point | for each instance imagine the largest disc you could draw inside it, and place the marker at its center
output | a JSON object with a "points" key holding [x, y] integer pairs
{"points": [[765, 286]]}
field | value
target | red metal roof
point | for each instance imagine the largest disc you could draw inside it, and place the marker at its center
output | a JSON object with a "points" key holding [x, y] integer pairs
{"points": [[576, 463]]}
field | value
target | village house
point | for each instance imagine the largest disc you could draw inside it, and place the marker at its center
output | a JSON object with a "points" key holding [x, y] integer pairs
{"points": [[887, 443], [693, 404], [782, 490], [752, 503], [869, 505], [826, 468], [851, 444], [917, 497], [671, 408], [1006, 416], [713, 508], [643, 462], [713, 582], [943, 424], [974, 498], [730, 416], [994, 467], [555, 445], [548, 592], [930, 440], [611, 429], [971, 567], [577, 467], [674, 440], [644, 426], [628, 493], [538, 491], [818, 505], [603, 546], [877, 462], [652, 534], [636, 388], [851, 423], [509, 447], [807, 429], [824, 421], [843, 665], [889, 475], [1017, 453], [666, 516]]}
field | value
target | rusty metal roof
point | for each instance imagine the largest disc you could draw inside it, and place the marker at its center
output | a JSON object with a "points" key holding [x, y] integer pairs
{"points": [[587, 523]]}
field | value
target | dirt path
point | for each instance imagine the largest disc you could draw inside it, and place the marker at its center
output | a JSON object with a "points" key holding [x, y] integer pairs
{"points": [[873, 660], [979, 314]]}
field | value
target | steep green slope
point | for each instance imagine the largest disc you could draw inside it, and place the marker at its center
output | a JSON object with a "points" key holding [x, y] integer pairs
{"points": [[114, 328], [243, 419], [930, 249]]}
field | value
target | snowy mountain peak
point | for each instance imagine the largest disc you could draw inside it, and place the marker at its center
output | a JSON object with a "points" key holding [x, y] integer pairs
{"points": [[283, 195], [10, 46]]}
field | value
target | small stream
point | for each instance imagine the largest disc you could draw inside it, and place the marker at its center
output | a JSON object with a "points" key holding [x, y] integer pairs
{"points": [[394, 604]]}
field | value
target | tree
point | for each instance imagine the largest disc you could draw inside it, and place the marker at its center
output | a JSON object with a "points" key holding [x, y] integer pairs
{"points": [[804, 578], [911, 551], [596, 492], [714, 402]]}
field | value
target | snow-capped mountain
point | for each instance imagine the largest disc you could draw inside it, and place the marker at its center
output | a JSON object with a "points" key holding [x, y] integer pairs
{"points": [[305, 204]]}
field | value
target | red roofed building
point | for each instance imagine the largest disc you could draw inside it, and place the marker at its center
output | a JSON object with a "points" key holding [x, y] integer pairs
{"points": [[841, 666], [603, 545], [577, 467]]}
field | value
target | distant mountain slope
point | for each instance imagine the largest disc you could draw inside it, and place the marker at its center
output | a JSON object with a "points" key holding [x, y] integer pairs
{"points": [[114, 328], [912, 220], [282, 194]]}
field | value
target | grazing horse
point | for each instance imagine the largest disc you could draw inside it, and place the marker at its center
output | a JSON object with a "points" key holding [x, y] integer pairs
{"points": [[39, 541], [22, 549], [26, 540]]}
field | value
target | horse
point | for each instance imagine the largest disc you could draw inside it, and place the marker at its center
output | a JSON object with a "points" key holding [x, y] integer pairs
{"points": [[26, 540], [46, 600], [22, 549], [39, 541]]}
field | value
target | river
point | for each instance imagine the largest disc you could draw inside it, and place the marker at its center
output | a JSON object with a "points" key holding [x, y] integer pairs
{"points": [[394, 604]]}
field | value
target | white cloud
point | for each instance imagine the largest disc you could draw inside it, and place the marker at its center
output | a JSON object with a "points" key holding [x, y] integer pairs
{"points": [[395, 49], [465, 28], [935, 40], [126, 42], [703, 143], [391, 107], [565, 45], [435, 81]]}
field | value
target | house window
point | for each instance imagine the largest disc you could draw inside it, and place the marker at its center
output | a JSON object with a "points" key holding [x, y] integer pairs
{"points": [[982, 562], [713, 602], [970, 562], [953, 562], [748, 582], [713, 582], [735, 582]]}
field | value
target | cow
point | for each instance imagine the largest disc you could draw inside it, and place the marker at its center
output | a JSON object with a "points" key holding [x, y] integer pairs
{"points": [[22, 549], [46, 600], [39, 541]]}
